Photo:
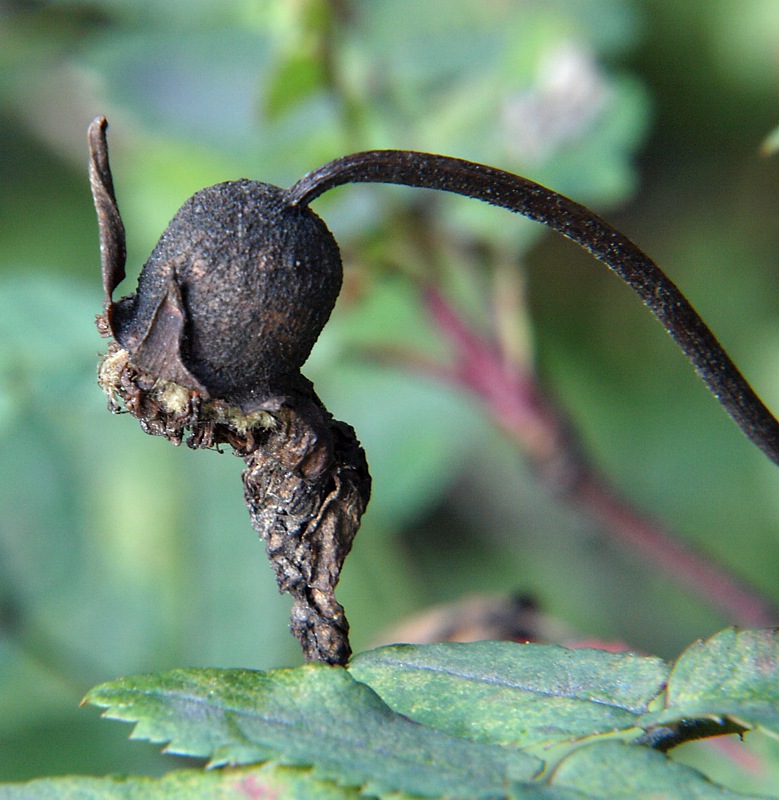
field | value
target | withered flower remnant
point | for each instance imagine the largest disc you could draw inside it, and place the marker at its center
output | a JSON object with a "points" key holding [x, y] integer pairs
{"points": [[209, 348]]}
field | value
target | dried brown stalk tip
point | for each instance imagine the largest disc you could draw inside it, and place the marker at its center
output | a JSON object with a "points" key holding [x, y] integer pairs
{"points": [[208, 350]]}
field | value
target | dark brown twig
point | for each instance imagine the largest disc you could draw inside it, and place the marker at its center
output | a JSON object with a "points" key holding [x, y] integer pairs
{"points": [[592, 233], [665, 738], [308, 519]]}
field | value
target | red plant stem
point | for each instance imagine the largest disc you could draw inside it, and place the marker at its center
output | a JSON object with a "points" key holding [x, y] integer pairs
{"points": [[517, 404], [689, 567]]}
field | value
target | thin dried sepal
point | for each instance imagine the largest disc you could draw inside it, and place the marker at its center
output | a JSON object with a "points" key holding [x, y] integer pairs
{"points": [[159, 351], [113, 251]]}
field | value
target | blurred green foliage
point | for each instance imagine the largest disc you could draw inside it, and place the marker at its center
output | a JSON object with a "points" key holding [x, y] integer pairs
{"points": [[119, 553]]}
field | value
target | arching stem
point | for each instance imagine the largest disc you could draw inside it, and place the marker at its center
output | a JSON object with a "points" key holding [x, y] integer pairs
{"points": [[589, 231]]}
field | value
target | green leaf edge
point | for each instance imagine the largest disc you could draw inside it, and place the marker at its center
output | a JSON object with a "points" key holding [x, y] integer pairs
{"points": [[296, 783], [390, 656], [619, 762], [748, 714], [105, 695], [100, 696]]}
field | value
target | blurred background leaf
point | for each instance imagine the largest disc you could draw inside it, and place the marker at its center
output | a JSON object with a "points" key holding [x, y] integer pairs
{"points": [[120, 554]]}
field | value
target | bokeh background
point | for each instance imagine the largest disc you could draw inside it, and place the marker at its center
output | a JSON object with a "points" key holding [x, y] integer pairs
{"points": [[120, 553]]}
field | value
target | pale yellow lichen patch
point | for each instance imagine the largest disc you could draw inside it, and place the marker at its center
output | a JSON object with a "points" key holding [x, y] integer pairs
{"points": [[109, 370], [173, 397], [235, 419]]}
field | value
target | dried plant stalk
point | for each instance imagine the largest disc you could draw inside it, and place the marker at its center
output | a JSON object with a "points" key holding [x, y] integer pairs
{"points": [[308, 513]]}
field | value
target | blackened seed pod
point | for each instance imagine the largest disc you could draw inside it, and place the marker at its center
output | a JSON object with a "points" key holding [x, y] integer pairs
{"points": [[234, 295]]}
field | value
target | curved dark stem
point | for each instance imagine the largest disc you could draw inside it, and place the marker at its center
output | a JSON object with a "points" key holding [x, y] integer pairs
{"points": [[589, 231]]}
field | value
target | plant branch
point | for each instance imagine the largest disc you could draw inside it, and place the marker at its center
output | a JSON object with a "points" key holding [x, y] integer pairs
{"points": [[518, 405], [589, 231], [306, 489]]}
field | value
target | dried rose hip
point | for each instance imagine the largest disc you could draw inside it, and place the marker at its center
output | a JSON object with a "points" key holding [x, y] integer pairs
{"points": [[234, 295], [209, 347]]}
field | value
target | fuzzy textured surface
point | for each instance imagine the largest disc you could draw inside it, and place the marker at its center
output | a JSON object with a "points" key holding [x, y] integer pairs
{"points": [[237, 290]]}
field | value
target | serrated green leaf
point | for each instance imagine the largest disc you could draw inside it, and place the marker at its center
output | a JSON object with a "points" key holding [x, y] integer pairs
{"points": [[734, 675], [615, 770], [267, 781], [513, 694], [309, 716]]}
